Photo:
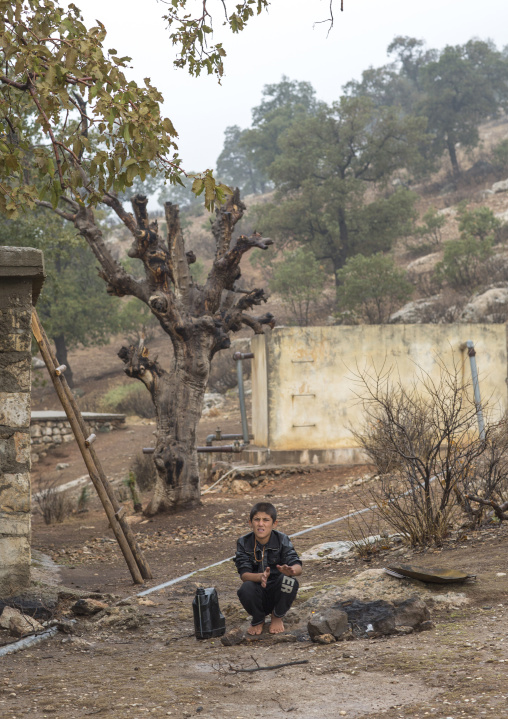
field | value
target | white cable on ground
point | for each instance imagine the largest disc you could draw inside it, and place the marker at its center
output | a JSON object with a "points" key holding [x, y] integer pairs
{"points": [[223, 561], [28, 642], [296, 534]]}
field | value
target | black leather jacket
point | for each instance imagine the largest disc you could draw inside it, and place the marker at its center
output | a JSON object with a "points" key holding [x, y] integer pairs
{"points": [[254, 557]]}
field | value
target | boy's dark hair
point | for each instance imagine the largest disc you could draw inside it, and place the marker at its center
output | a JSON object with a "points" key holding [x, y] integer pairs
{"points": [[265, 507]]}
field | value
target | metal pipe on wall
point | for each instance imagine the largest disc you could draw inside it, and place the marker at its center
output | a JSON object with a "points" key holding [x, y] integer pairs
{"points": [[239, 357], [476, 387]]}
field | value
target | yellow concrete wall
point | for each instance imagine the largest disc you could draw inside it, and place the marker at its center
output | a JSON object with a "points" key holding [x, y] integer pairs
{"points": [[304, 383]]}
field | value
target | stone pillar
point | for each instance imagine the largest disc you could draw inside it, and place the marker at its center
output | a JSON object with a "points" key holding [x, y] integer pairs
{"points": [[21, 278]]}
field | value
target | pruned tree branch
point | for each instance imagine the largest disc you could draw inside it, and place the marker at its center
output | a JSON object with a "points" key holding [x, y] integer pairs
{"points": [[225, 271], [226, 218], [140, 366], [177, 256]]}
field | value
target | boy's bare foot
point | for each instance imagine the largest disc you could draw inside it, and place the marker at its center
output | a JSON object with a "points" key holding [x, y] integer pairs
{"points": [[277, 625], [256, 629]]}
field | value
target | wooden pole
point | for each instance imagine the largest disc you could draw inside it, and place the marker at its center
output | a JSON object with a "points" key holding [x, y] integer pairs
{"points": [[144, 568], [58, 382]]}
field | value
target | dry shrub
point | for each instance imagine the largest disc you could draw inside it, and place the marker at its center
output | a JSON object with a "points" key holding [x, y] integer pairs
{"points": [[485, 487], [54, 505], [362, 529], [129, 399], [144, 472], [424, 442]]}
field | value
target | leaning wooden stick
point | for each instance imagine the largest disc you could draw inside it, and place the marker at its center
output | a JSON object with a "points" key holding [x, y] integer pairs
{"points": [[60, 385], [119, 510]]}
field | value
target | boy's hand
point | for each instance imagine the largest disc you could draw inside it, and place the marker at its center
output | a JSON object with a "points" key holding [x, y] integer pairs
{"points": [[287, 570], [264, 577]]}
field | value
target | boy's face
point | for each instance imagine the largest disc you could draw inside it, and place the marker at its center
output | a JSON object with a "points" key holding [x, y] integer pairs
{"points": [[262, 525]]}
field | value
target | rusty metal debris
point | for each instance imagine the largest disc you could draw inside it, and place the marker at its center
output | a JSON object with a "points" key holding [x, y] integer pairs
{"points": [[433, 575]]}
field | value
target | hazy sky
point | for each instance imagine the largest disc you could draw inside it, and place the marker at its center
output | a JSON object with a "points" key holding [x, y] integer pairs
{"points": [[283, 41]]}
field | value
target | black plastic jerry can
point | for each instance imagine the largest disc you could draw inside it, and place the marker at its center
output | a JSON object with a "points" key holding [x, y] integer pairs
{"points": [[208, 619]]}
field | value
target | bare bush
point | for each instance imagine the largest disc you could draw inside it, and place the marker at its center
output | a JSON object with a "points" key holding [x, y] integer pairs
{"points": [[486, 486], [53, 504], [144, 472], [424, 441], [365, 534]]}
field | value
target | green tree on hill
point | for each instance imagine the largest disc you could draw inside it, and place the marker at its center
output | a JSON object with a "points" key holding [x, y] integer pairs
{"points": [[73, 306], [236, 164], [299, 280], [327, 165], [372, 288], [464, 87]]}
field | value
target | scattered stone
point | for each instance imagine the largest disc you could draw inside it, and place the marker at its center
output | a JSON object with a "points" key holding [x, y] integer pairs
{"points": [[233, 637], [283, 638], [17, 624], [333, 621], [425, 626], [239, 486], [62, 465], [147, 603], [413, 612], [122, 618], [324, 639], [79, 642], [65, 625], [88, 607]]}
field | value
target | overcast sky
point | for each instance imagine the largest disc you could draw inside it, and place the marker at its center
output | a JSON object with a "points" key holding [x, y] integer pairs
{"points": [[283, 41]]}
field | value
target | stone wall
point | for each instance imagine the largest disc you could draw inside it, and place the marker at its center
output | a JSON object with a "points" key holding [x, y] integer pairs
{"points": [[305, 381], [21, 277], [50, 429]]}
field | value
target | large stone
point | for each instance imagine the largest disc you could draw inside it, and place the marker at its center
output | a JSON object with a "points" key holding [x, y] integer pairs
{"points": [[412, 612], [501, 186], [370, 618], [489, 307], [332, 621], [18, 624], [233, 637], [88, 607], [416, 312], [239, 486]]}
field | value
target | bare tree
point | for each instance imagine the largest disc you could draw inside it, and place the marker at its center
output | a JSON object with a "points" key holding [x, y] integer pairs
{"points": [[197, 318]]}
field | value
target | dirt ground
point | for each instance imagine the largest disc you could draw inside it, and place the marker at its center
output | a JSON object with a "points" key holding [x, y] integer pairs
{"points": [[141, 658]]}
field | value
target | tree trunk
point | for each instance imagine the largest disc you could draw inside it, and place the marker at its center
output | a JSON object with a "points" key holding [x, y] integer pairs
{"points": [[450, 144], [178, 399], [175, 455], [61, 355]]}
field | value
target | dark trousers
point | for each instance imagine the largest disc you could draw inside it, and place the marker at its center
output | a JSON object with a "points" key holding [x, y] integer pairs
{"points": [[276, 598]]}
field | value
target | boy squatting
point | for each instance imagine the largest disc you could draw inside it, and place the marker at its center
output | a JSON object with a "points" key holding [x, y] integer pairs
{"points": [[267, 564]]}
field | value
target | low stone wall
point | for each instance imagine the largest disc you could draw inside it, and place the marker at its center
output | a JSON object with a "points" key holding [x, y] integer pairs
{"points": [[50, 429]]}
